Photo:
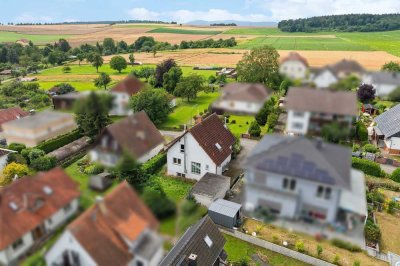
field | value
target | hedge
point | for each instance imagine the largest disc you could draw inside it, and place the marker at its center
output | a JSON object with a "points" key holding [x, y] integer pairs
{"points": [[368, 167], [396, 175], [153, 165], [58, 142], [346, 245]]}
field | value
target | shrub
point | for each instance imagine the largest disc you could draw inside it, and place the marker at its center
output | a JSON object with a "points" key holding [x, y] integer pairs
{"points": [[357, 263], [368, 167], [34, 154], [372, 232], [336, 259], [189, 207], [16, 147], [395, 176], [153, 165], [361, 132], [233, 121], [13, 169], [16, 158], [356, 147], [93, 169], [44, 163], [272, 119], [254, 130], [158, 202], [392, 205], [58, 142], [345, 245], [300, 246], [370, 148], [319, 250]]}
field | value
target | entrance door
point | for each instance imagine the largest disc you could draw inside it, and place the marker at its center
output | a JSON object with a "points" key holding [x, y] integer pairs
{"points": [[38, 232]]}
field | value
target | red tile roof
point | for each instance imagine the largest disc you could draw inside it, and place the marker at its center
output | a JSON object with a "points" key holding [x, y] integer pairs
{"points": [[211, 133], [129, 85], [10, 114], [101, 230], [28, 194]]}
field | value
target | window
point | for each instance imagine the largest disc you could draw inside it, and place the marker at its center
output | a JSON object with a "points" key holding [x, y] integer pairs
{"points": [[196, 168], [298, 114], [67, 207], [207, 167], [320, 191], [50, 221], [289, 184], [285, 183], [298, 125], [292, 184], [139, 263], [328, 193], [208, 241], [182, 147], [17, 244], [177, 161], [324, 192]]}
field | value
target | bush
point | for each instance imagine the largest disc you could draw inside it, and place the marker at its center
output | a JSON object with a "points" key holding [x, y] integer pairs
{"points": [[153, 165], [158, 202], [368, 167], [233, 121], [16, 147], [370, 148], [336, 259], [16, 158], [357, 263], [395, 176], [372, 232], [254, 130], [189, 207], [356, 147], [319, 250], [13, 169], [93, 169], [44, 163], [34, 154], [60, 141], [345, 245], [361, 131], [300, 246]]}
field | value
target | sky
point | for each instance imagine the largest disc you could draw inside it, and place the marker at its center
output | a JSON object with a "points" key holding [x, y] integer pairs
{"points": [[29, 11]]}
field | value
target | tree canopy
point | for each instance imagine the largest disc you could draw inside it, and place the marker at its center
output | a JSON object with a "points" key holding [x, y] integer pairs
{"points": [[189, 86], [118, 63], [102, 80]]}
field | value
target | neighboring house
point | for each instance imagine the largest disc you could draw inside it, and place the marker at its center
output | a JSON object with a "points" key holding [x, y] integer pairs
{"points": [[241, 98], [206, 147], [6, 72], [386, 133], [202, 244], [228, 72], [23, 42], [330, 74], [136, 135], [304, 179], [294, 66], [210, 188], [310, 109], [122, 92], [29, 79], [10, 114], [4, 157], [42, 126], [384, 82], [32, 208], [67, 101], [118, 230]]}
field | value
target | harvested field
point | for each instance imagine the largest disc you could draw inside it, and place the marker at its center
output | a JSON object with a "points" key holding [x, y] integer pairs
{"points": [[185, 31]]}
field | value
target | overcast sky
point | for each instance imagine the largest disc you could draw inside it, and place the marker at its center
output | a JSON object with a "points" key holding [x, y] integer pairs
{"points": [[184, 10]]}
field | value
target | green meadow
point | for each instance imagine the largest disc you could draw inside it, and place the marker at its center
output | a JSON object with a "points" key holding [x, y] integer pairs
{"points": [[184, 31], [8, 36]]}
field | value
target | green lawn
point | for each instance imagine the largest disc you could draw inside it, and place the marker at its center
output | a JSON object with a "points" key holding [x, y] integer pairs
{"points": [[238, 250], [78, 85], [7, 36], [183, 31], [185, 110], [241, 124], [85, 69], [176, 189]]}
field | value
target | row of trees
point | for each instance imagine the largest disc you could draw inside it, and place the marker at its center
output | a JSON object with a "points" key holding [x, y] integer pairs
{"points": [[346, 23]]}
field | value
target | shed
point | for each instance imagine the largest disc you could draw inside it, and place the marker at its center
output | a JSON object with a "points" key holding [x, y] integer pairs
{"points": [[100, 182], [210, 187], [225, 213]]}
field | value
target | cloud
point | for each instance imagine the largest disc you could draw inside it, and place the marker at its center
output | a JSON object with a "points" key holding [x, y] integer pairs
{"points": [[143, 14], [31, 18]]}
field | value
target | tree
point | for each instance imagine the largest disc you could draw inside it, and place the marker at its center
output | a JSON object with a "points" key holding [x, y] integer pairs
{"points": [[154, 102], [109, 46], [254, 129], [161, 69], [268, 108], [13, 170], [80, 58], [212, 79], [391, 66], [189, 86], [132, 59], [66, 69], [118, 63], [64, 88], [146, 72], [158, 202], [349, 83], [102, 80], [130, 170], [285, 84], [395, 176], [171, 79], [44, 163], [96, 60], [334, 133], [395, 95], [366, 93], [92, 114], [56, 58], [63, 45], [260, 66], [154, 51]]}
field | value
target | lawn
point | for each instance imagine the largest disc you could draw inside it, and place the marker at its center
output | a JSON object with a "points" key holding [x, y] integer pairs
{"points": [[390, 230], [7, 36], [238, 250], [78, 85], [183, 31], [185, 110], [241, 124]]}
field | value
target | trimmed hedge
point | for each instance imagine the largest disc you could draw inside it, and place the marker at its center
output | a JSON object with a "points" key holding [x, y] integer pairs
{"points": [[58, 142], [153, 165], [345, 245], [368, 167], [396, 175]]}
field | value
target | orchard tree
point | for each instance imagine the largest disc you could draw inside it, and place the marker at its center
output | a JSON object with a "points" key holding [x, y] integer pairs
{"points": [[96, 60], [80, 58], [366, 93], [171, 79], [102, 80], [118, 63], [189, 86], [161, 69], [64, 88], [131, 59]]}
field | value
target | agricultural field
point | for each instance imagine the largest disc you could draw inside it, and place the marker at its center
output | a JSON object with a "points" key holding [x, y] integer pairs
{"points": [[184, 31], [35, 38]]}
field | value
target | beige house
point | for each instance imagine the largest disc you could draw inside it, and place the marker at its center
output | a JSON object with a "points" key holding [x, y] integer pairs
{"points": [[32, 130]]}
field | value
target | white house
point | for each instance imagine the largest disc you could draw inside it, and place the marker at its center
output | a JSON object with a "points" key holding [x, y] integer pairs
{"points": [[310, 109], [122, 92], [31, 208], [135, 135], [241, 98], [118, 230], [384, 82], [297, 178], [4, 157], [294, 66], [206, 147], [386, 133]]}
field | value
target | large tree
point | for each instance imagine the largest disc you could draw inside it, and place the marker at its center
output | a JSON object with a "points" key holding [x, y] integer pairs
{"points": [[154, 102], [92, 114], [189, 86], [64, 88], [130, 170], [118, 63], [171, 79], [102, 80], [161, 69], [260, 66], [131, 59], [96, 60], [366, 93], [109, 46]]}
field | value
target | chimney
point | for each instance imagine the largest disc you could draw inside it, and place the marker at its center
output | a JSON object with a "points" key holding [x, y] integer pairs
{"points": [[100, 203], [192, 260]]}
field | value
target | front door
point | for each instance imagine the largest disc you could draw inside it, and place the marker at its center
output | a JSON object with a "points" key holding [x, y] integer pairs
{"points": [[38, 232]]}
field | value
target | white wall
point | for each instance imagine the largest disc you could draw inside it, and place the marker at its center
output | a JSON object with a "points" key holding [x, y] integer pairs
{"points": [[9, 254], [240, 106], [61, 216], [68, 242], [3, 162], [324, 79], [294, 69], [151, 153], [120, 104], [293, 119]]}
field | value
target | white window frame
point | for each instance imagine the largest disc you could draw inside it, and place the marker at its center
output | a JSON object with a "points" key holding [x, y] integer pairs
{"points": [[194, 167]]}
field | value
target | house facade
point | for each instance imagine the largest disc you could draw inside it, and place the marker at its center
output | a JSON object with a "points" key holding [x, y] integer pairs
{"points": [[10, 114], [206, 147], [135, 135], [386, 133], [384, 82], [33, 129], [296, 178], [32, 208], [4, 157], [294, 66], [310, 109], [122, 92], [118, 230]]}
